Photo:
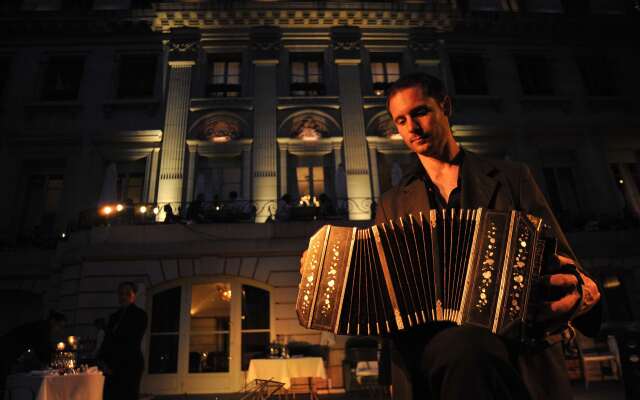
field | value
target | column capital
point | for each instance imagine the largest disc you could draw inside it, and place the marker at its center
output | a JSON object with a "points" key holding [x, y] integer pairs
{"points": [[184, 46], [265, 43], [423, 44], [346, 44]]}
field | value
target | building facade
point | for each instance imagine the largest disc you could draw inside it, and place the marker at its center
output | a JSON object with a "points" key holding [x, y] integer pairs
{"points": [[155, 103]]}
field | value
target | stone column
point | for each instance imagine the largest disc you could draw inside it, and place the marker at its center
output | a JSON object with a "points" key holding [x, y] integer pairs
{"points": [[265, 42], [283, 168], [375, 178], [246, 174], [152, 176], [346, 49], [183, 53], [339, 176], [191, 173]]}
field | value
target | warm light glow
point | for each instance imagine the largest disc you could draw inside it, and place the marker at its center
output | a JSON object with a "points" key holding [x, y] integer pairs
{"points": [[378, 92], [156, 210], [119, 207], [143, 209], [64, 235], [621, 181], [60, 346], [611, 282], [71, 340], [217, 208], [107, 210], [395, 136], [221, 139]]}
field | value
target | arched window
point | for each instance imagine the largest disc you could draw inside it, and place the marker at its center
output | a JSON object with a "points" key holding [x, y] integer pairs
{"points": [[203, 334]]}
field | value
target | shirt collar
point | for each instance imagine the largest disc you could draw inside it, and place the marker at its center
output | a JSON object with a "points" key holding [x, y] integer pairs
{"points": [[417, 171]]}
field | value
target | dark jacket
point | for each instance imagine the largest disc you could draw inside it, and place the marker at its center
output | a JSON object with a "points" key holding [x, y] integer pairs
{"points": [[121, 347], [500, 185]]}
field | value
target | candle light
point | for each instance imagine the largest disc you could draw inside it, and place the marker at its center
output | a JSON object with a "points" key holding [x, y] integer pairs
{"points": [[72, 341], [60, 346]]}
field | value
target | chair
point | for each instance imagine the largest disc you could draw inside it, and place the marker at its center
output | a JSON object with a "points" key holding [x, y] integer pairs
{"points": [[262, 389], [598, 352]]}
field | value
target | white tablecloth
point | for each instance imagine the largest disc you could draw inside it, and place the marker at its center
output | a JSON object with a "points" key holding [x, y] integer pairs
{"points": [[55, 387], [282, 370]]}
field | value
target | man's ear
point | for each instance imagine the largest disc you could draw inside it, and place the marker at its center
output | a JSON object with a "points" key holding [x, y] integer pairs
{"points": [[447, 107]]}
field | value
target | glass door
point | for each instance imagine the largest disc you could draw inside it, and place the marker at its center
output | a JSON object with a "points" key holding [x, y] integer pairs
{"points": [[211, 343]]}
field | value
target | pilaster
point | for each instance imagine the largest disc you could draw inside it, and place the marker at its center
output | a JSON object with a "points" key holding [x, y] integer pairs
{"points": [[375, 178], [183, 52], [346, 48], [265, 42]]}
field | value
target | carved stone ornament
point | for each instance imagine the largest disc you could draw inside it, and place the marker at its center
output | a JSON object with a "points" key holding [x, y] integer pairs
{"points": [[220, 130], [423, 43], [309, 127], [385, 128], [265, 42], [345, 41], [184, 44]]}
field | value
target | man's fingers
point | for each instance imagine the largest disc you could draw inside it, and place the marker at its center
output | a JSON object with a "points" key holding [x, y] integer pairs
{"points": [[565, 304], [558, 310], [565, 260], [563, 280]]}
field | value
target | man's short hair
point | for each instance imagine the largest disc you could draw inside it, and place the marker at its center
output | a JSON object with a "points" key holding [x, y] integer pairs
{"points": [[431, 86], [132, 285]]}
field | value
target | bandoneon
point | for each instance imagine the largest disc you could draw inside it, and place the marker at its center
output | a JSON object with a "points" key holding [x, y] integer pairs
{"points": [[471, 266]]}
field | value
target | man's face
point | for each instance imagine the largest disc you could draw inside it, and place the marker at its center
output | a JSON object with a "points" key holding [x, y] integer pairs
{"points": [[126, 296], [420, 121]]}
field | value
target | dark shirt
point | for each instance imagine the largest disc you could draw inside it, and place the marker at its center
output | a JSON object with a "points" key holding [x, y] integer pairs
{"points": [[436, 199]]}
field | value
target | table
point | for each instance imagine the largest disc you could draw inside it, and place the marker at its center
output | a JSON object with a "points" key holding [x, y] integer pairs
{"points": [[87, 386], [283, 369]]}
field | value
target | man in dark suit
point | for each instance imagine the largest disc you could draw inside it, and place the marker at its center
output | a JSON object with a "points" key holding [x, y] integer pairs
{"points": [[445, 362], [120, 354]]}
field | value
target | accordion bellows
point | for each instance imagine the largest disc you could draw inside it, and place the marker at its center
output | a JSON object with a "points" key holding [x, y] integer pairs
{"points": [[471, 266]]}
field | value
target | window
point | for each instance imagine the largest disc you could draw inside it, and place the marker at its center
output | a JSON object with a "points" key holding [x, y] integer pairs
{"points": [[42, 200], [535, 75], [62, 78], [597, 75], [130, 187], [469, 74], [306, 75], [130, 183], [165, 332], [217, 177], [210, 315], [136, 76], [224, 79], [384, 71], [255, 323], [310, 181]]}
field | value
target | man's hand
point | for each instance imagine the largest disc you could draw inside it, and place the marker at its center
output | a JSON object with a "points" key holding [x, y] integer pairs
{"points": [[567, 294]]}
